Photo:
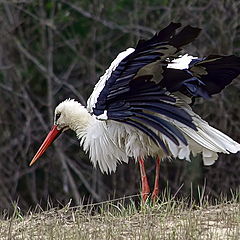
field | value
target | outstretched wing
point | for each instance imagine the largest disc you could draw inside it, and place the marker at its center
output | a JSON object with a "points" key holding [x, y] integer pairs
{"points": [[200, 77], [131, 91]]}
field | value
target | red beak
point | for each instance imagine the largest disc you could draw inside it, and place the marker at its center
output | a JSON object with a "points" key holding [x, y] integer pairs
{"points": [[52, 135]]}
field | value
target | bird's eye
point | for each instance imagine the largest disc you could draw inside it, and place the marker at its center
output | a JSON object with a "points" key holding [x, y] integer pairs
{"points": [[57, 116]]}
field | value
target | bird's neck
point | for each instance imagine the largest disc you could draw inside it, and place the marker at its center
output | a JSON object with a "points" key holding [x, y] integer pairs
{"points": [[80, 121]]}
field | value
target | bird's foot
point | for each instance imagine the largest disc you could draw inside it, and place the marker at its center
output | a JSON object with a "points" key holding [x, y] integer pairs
{"points": [[155, 195]]}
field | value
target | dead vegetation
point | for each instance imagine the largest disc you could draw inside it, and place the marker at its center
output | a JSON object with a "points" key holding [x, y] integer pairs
{"points": [[166, 220], [52, 50]]}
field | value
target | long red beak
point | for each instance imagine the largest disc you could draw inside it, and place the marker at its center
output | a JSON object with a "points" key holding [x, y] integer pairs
{"points": [[52, 135]]}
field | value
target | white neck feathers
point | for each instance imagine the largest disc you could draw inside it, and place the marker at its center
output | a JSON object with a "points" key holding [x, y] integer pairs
{"points": [[74, 115]]}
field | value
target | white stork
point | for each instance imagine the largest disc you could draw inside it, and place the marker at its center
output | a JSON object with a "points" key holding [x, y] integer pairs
{"points": [[141, 106]]}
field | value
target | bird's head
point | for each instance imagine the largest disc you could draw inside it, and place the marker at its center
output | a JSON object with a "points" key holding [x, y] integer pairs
{"points": [[69, 114]]}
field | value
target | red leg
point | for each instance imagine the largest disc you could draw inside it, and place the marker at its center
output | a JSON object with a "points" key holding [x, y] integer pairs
{"points": [[145, 185], [156, 184]]}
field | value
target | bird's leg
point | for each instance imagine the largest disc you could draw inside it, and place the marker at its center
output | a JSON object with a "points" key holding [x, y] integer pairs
{"points": [[156, 184], [145, 185]]}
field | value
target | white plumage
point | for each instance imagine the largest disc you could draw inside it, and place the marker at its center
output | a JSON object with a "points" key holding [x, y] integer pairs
{"points": [[182, 62], [140, 107], [109, 143], [102, 81]]}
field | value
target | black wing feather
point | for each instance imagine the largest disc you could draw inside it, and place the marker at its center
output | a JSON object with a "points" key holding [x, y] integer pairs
{"points": [[135, 98], [163, 126], [220, 71], [204, 77]]}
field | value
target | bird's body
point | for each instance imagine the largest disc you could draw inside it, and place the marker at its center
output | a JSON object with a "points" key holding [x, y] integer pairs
{"points": [[110, 142], [141, 105]]}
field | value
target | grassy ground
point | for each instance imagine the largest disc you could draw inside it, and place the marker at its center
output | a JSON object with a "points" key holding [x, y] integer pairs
{"points": [[169, 219]]}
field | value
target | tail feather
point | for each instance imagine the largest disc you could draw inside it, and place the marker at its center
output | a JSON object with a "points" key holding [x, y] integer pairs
{"points": [[222, 139], [208, 141]]}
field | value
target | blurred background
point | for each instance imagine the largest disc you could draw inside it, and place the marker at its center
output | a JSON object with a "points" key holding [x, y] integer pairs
{"points": [[53, 50]]}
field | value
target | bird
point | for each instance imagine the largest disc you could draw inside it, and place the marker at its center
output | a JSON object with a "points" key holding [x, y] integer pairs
{"points": [[141, 107]]}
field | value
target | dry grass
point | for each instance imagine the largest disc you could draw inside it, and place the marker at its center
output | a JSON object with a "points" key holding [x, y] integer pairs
{"points": [[169, 219]]}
